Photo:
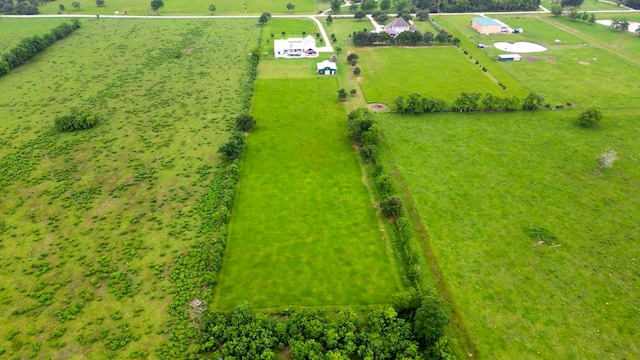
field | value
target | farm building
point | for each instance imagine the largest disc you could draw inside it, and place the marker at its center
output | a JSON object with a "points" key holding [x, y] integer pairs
{"points": [[488, 26], [327, 68], [397, 26], [295, 47], [509, 57]]}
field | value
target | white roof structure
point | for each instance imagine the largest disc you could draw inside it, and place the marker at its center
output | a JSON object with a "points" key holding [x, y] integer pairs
{"points": [[295, 47], [327, 64]]}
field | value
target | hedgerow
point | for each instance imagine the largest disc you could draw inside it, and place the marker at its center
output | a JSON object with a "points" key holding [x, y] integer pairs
{"points": [[29, 47]]}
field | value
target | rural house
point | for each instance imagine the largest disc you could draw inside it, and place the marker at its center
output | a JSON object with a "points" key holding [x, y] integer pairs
{"points": [[397, 26], [327, 68], [295, 47], [488, 26]]}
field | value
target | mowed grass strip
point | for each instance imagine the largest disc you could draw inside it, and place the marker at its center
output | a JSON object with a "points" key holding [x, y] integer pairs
{"points": [[480, 180], [303, 231], [437, 72]]}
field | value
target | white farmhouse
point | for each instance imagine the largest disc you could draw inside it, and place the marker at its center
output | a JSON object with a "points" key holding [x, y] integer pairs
{"points": [[295, 47]]}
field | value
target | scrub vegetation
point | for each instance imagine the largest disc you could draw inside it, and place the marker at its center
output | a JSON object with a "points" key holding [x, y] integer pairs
{"points": [[95, 223]]}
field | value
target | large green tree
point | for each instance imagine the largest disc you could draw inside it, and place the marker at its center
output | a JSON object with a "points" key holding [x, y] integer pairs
{"points": [[156, 4]]}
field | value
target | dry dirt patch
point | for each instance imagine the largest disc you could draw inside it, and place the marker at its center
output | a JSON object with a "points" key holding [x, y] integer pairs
{"points": [[378, 107]]}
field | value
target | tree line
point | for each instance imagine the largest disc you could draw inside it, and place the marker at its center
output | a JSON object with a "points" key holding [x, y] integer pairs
{"points": [[418, 104], [412, 328], [404, 7], [367, 38], [21, 8], [29, 47]]}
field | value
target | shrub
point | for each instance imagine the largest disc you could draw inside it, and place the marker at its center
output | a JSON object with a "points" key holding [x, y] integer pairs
{"points": [[385, 184], [233, 148], [77, 120], [590, 117], [369, 152], [245, 122], [352, 57], [391, 206]]}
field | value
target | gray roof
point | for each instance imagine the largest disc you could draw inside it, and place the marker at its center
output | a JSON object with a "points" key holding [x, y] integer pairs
{"points": [[395, 26], [486, 21]]}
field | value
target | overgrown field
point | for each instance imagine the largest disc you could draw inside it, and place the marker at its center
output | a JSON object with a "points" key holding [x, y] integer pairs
{"points": [[92, 221], [177, 7], [12, 30], [438, 72], [303, 231], [482, 182]]}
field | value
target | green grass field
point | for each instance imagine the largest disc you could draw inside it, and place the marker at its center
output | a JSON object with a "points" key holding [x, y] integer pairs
{"points": [[92, 221], [480, 180], [303, 231], [12, 30], [197, 7], [588, 5], [582, 54], [439, 72]]}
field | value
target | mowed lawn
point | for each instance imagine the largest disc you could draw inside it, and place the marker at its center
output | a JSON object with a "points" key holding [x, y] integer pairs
{"points": [[480, 180], [303, 231], [437, 72]]}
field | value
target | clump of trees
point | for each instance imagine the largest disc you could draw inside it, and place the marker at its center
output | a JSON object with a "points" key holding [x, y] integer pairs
{"points": [[76, 120], [619, 24], [21, 8], [418, 104], [412, 328], [29, 47]]}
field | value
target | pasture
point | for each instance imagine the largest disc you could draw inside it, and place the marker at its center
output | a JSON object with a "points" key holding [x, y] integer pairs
{"points": [[439, 72], [588, 5], [479, 181], [12, 30], [93, 221], [303, 231], [578, 70], [197, 7]]}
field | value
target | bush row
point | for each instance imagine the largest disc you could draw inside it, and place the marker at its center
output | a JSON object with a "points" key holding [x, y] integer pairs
{"points": [[413, 328], [28, 47], [366, 133], [418, 104], [195, 274]]}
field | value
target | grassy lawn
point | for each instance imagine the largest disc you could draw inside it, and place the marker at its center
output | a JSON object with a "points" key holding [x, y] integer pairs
{"points": [[625, 44], [535, 30], [555, 73], [303, 231], [12, 30], [587, 5], [197, 7], [92, 221], [440, 72], [480, 180]]}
